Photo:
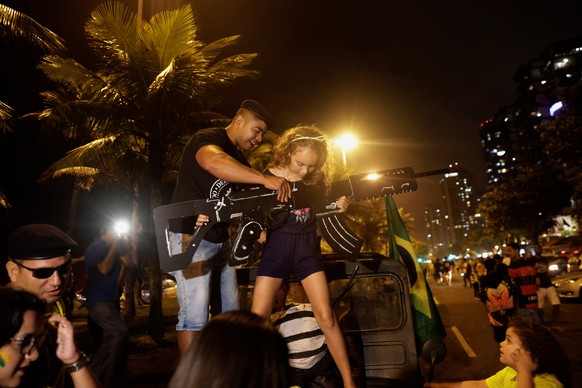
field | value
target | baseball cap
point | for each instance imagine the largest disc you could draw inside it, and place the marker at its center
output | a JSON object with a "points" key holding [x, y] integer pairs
{"points": [[259, 110]]}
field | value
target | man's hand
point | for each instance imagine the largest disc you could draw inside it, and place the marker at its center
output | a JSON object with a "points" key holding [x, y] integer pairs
{"points": [[202, 220], [281, 185], [66, 348], [493, 322]]}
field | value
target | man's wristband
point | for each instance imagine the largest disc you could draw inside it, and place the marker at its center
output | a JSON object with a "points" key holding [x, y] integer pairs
{"points": [[79, 364]]}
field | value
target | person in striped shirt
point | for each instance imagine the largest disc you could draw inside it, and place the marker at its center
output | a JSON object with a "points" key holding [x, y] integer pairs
{"points": [[310, 361]]}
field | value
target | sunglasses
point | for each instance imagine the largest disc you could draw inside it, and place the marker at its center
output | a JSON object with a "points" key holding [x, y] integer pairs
{"points": [[47, 272], [26, 344]]}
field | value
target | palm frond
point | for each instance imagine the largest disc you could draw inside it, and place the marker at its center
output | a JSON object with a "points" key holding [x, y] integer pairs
{"points": [[83, 119], [233, 67], [17, 24], [100, 154], [6, 117], [172, 35], [116, 35], [4, 201], [113, 32], [76, 77], [213, 50]]}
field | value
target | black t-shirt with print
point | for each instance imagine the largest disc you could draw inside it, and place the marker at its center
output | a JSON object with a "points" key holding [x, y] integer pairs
{"points": [[196, 183]]}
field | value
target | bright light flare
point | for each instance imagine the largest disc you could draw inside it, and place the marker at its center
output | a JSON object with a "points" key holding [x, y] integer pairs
{"points": [[121, 228], [372, 177], [347, 141]]}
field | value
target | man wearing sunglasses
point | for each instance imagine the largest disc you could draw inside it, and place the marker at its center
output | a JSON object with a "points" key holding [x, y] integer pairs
{"points": [[39, 260]]}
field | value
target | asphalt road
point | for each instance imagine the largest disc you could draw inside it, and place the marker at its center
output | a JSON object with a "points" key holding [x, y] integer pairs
{"points": [[472, 352]]}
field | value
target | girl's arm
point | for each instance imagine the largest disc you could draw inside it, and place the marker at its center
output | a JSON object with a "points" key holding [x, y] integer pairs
{"points": [[525, 367]]}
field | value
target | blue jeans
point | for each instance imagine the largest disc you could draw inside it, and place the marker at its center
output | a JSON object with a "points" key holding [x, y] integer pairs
{"points": [[194, 283], [107, 362]]}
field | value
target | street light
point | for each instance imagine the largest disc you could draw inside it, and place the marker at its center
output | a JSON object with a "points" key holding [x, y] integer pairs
{"points": [[346, 142]]}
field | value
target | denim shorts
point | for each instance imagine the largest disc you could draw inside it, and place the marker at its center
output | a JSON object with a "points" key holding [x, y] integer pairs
{"points": [[195, 281]]}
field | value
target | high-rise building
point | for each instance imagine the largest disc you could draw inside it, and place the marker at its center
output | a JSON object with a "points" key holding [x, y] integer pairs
{"points": [[437, 235], [449, 223], [510, 137]]}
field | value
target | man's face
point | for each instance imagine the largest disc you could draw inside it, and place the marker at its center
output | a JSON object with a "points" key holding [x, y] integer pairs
{"points": [[250, 131], [50, 289], [512, 253]]}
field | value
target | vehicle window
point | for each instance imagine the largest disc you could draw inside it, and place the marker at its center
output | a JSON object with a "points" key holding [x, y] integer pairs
{"points": [[374, 303]]}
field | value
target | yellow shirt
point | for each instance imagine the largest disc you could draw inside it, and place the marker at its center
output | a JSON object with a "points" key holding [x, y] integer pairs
{"points": [[507, 378]]}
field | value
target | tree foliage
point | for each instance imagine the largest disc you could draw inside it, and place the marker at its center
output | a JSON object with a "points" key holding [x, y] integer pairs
{"points": [[527, 203], [16, 26], [153, 84]]}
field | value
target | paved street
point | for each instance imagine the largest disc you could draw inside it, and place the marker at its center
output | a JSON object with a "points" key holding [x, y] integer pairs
{"points": [[472, 352]]}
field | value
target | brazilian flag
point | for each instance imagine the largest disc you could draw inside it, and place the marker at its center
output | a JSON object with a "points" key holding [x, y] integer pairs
{"points": [[427, 321]]}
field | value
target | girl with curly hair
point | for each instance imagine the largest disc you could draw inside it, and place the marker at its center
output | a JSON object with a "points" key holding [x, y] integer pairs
{"points": [[301, 154]]}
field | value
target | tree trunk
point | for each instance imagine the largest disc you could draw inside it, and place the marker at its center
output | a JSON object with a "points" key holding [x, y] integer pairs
{"points": [[131, 273], [73, 208], [156, 319], [156, 322]]}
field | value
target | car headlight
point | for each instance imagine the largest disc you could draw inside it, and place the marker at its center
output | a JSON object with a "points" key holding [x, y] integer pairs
{"points": [[553, 267]]}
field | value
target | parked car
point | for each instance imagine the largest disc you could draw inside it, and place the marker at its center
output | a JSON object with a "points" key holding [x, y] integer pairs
{"points": [[371, 299], [557, 265], [575, 262], [569, 284]]}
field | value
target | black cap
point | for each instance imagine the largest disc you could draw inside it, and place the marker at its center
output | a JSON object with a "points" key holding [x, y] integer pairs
{"points": [[260, 111], [39, 242]]}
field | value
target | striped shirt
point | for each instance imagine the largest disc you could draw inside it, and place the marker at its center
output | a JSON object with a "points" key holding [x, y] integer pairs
{"points": [[305, 339]]}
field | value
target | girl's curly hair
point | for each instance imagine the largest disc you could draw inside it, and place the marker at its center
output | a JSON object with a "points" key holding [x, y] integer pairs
{"points": [[544, 349], [301, 136]]}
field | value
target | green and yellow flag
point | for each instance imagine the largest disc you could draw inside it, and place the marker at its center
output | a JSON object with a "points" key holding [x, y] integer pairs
{"points": [[427, 321]]}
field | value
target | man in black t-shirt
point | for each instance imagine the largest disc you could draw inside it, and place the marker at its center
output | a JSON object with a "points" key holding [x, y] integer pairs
{"points": [[213, 165]]}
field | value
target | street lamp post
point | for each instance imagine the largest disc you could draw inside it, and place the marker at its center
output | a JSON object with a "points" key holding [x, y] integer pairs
{"points": [[140, 9], [346, 142]]}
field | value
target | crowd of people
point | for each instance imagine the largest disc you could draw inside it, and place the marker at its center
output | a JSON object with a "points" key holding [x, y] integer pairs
{"points": [[513, 290], [229, 347]]}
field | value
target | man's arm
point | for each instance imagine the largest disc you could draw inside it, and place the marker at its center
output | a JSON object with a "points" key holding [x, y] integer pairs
{"points": [[223, 166], [107, 263]]}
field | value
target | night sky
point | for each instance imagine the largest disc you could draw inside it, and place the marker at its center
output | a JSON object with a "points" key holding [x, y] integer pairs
{"points": [[413, 80]]}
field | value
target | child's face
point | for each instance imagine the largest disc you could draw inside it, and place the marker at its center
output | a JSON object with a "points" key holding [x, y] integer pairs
{"points": [[303, 162], [510, 347]]}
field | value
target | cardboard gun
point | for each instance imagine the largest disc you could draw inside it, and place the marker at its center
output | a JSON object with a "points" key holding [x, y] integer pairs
{"points": [[253, 206]]}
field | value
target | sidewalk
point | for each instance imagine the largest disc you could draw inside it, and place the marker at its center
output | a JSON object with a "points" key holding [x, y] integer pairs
{"points": [[149, 364]]}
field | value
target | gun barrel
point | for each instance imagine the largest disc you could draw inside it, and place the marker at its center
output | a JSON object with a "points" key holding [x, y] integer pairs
{"points": [[432, 172]]}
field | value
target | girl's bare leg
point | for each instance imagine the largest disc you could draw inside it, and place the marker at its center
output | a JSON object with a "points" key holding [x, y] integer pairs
{"points": [[264, 295], [317, 290]]}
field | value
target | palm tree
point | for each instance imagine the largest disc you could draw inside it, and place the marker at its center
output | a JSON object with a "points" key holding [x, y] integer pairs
{"points": [[369, 221], [16, 26], [154, 85]]}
